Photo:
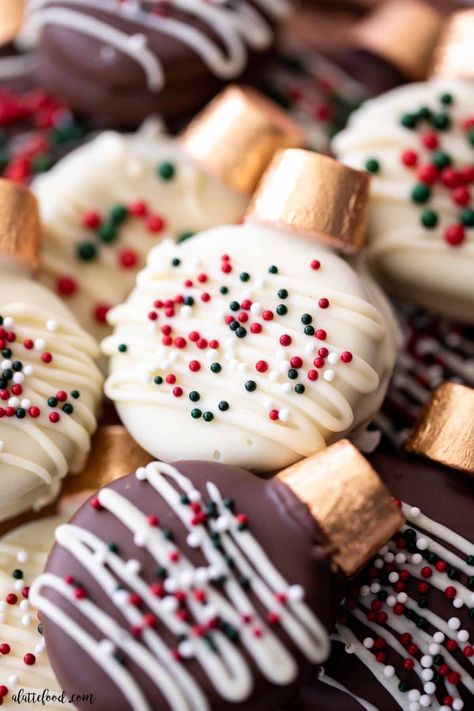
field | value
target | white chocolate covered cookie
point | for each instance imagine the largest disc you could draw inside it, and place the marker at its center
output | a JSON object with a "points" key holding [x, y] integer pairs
{"points": [[50, 389], [250, 346], [418, 143], [107, 203]]}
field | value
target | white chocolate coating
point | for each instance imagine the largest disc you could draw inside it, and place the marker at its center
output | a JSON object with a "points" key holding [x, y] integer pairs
{"points": [[26, 549], [36, 452], [410, 259], [272, 425], [120, 169]]}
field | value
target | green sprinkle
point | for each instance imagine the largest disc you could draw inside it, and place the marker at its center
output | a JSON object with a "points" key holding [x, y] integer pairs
{"points": [[421, 193], [196, 413], [372, 165], [282, 294], [250, 386], [299, 388], [188, 301], [425, 114], [194, 396], [441, 121], [52, 402], [244, 276], [86, 251], [216, 367], [20, 413], [234, 306], [113, 547], [309, 330], [17, 574], [441, 159], [175, 262], [306, 319], [292, 373], [223, 405], [17, 365], [107, 232], [240, 332], [75, 394], [409, 120], [273, 269], [184, 499], [429, 219], [446, 99], [281, 310], [122, 348], [470, 137], [470, 560], [208, 416], [166, 171], [118, 214], [158, 379], [224, 290], [42, 163], [68, 408], [467, 219], [183, 236]]}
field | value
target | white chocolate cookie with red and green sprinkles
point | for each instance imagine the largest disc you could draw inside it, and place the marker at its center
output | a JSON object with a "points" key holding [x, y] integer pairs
{"points": [[50, 389], [248, 346], [417, 141], [107, 203], [23, 659]]}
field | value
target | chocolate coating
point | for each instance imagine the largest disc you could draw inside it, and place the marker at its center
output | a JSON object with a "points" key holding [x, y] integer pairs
{"points": [[110, 85], [445, 496], [277, 519]]}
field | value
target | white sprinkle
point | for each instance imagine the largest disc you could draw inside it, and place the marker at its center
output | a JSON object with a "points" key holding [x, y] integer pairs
{"points": [[260, 282], [332, 358], [268, 404], [402, 597], [6, 364], [186, 649], [13, 679], [193, 540], [120, 597], [416, 558], [18, 378], [212, 354], [186, 578], [139, 539], [8, 322], [329, 375], [283, 366], [242, 367], [413, 706], [295, 593], [28, 370], [40, 647], [22, 556], [286, 388], [425, 701], [209, 612], [349, 648], [40, 344], [400, 558], [429, 687], [2, 445], [426, 660], [368, 642], [422, 544], [201, 575], [25, 403], [3, 606], [222, 524], [273, 375], [393, 577], [24, 605], [26, 620], [458, 704], [137, 41], [107, 646], [463, 635], [284, 414], [375, 588], [170, 585], [389, 671], [169, 603], [457, 603], [51, 325], [378, 563], [415, 511], [256, 309], [413, 695], [427, 674], [364, 590], [14, 402], [194, 495], [439, 637], [454, 623], [186, 311], [19, 585], [133, 566], [389, 557], [391, 600]]}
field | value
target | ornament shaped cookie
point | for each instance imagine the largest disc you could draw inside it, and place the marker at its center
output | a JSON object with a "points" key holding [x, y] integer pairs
{"points": [[120, 62], [166, 590], [416, 141], [407, 624], [50, 385], [106, 204], [24, 662], [251, 344]]}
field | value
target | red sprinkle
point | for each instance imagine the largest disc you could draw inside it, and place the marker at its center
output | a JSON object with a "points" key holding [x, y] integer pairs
{"points": [[29, 659], [261, 366], [194, 366], [315, 264], [66, 285]]}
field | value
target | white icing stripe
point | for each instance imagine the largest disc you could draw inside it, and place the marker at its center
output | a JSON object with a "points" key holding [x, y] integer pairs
{"points": [[397, 624], [235, 27], [226, 667]]}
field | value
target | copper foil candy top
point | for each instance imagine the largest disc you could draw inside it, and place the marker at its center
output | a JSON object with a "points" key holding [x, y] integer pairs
{"points": [[445, 432], [236, 135], [454, 56], [19, 223], [315, 195]]}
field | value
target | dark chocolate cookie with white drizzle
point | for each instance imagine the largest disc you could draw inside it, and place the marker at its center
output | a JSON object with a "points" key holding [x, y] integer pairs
{"points": [[200, 586], [122, 61]]}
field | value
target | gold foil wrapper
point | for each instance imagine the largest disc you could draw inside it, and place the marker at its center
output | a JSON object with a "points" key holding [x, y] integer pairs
{"points": [[235, 136], [403, 33], [315, 195], [445, 431], [113, 455], [19, 223], [11, 18], [454, 55], [348, 500]]}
